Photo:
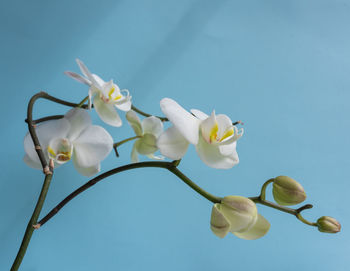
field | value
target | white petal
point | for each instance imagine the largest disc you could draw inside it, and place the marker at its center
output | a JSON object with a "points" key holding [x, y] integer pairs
{"points": [[107, 87], [86, 171], [98, 80], [228, 149], [260, 228], [152, 125], [78, 77], [147, 144], [92, 146], [199, 114], [134, 153], [236, 135], [45, 132], [31, 163], [155, 157], [85, 71], [134, 122], [79, 120], [172, 144], [219, 224], [209, 128], [107, 112], [125, 106], [210, 154], [224, 123], [187, 124]]}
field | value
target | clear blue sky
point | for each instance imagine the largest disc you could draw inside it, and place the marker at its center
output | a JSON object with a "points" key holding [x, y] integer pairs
{"points": [[282, 67]]}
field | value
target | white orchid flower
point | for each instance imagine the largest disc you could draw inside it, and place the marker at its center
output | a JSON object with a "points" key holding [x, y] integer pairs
{"points": [[72, 137], [105, 96], [148, 130], [214, 136], [239, 216]]}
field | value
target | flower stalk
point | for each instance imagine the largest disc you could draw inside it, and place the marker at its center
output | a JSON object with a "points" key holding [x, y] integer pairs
{"points": [[208, 124], [48, 171]]}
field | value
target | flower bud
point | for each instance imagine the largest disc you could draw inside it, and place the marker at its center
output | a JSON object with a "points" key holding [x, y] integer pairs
{"points": [[287, 191], [240, 211], [219, 224], [328, 224], [239, 216]]}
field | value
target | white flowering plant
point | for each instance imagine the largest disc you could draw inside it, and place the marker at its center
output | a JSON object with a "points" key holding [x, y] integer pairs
{"points": [[55, 140]]}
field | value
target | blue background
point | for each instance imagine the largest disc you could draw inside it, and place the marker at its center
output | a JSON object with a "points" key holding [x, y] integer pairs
{"points": [[283, 67]]}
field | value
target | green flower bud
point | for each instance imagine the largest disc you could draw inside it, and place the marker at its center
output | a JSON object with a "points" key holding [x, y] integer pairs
{"points": [[238, 215], [287, 191], [240, 211], [219, 224], [328, 224]]}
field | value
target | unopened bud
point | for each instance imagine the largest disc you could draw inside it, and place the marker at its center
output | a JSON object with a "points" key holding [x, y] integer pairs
{"points": [[219, 224], [240, 211], [328, 224], [287, 191]]}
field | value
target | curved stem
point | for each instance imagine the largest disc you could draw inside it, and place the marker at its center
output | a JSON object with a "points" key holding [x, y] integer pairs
{"points": [[33, 220], [46, 96], [117, 144], [194, 186], [263, 188], [171, 166], [83, 101], [273, 205], [47, 169], [302, 219], [48, 176], [53, 117], [146, 114], [295, 212], [31, 128]]}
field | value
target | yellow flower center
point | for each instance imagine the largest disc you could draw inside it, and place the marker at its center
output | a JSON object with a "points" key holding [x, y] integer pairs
{"points": [[60, 150]]}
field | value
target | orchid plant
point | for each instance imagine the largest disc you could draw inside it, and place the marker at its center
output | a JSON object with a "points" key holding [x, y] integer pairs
{"points": [[54, 140]]}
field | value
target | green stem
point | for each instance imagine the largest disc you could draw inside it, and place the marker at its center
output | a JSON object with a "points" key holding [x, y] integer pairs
{"points": [[146, 114], [117, 144], [171, 166], [33, 220], [83, 101], [53, 117], [46, 168], [194, 186], [263, 188], [273, 205], [300, 217], [295, 212]]}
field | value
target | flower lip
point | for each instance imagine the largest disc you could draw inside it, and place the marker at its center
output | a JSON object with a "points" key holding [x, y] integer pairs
{"points": [[218, 129], [110, 92], [60, 150]]}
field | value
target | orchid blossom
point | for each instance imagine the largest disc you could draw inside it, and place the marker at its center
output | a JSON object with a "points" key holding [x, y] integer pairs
{"points": [[72, 137], [148, 131], [105, 96], [214, 136], [239, 216]]}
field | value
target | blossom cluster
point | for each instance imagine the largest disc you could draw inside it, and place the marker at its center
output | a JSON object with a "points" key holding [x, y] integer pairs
{"points": [[74, 137], [214, 136]]}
